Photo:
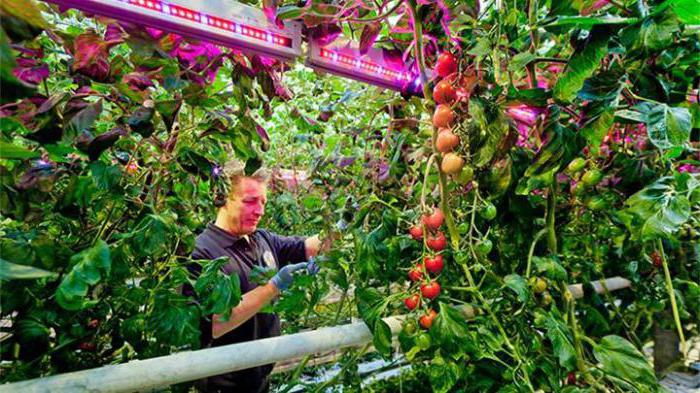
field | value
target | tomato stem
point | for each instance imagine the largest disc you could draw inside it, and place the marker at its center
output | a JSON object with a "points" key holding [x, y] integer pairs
{"points": [[672, 296]]}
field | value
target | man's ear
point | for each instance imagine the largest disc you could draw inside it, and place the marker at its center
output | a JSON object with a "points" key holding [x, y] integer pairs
{"points": [[220, 199]]}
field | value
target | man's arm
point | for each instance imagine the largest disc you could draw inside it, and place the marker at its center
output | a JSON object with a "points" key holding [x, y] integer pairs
{"points": [[251, 303]]}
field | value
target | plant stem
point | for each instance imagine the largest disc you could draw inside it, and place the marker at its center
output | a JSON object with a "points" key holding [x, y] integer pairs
{"points": [[532, 251], [551, 212], [672, 295]]}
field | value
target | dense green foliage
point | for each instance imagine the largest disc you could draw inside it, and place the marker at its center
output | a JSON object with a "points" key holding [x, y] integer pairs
{"points": [[578, 126]]}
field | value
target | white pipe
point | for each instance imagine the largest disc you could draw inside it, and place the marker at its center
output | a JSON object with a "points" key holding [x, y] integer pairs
{"points": [[150, 374], [612, 284]]}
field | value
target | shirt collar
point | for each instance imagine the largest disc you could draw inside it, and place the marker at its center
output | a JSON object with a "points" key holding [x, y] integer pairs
{"points": [[224, 237]]}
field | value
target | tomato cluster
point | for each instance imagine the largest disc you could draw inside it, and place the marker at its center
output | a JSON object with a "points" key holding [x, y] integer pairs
{"points": [[431, 265]]}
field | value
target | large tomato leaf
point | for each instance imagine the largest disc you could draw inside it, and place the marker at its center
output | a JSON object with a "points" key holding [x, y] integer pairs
{"points": [[14, 271], [88, 268], [661, 208], [561, 338], [218, 293], [619, 358], [582, 64]]}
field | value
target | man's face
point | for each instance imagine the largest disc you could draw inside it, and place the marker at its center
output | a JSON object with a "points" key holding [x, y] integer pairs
{"points": [[245, 209]]}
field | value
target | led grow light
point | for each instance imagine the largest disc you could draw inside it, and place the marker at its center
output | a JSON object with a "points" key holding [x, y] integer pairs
{"points": [[373, 68], [222, 22]]}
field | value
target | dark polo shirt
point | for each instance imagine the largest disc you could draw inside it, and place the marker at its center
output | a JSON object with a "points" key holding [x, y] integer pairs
{"points": [[261, 248]]}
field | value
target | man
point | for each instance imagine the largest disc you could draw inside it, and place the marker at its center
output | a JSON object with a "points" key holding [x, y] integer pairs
{"points": [[235, 234]]}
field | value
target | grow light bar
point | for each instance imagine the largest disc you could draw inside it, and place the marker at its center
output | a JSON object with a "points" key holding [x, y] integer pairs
{"points": [[223, 22], [370, 68]]}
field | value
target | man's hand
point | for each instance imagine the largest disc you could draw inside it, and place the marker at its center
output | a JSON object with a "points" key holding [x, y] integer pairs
{"points": [[284, 278]]}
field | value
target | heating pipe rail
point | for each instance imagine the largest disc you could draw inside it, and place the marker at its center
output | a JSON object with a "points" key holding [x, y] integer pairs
{"points": [[155, 373]]}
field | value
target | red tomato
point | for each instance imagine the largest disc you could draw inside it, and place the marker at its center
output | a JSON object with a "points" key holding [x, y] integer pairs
{"points": [[435, 220], [571, 379], [434, 264], [415, 274], [412, 302], [656, 259], [443, 116], [444, 93], [93, 324], [446, 64], [87, 346], [132, 168], [416, 232], [430, 290], [426, 321], [437, 242], [446, 141]]}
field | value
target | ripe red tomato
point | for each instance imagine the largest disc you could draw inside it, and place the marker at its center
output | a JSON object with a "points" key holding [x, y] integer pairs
{"points": [[571, 378], [656, 259], [434, 264], [416, 232], [443, 116], [415, 274], [93, 324], [434, 221], [446, 141], [430, 290], [412, 302], [426, 321], [446, 64], [444, 93], [437, 242], [132, 168], [87, 346]]}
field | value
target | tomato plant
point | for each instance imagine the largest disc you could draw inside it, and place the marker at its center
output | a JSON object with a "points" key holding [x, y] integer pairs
{"points": [[553, 143]]}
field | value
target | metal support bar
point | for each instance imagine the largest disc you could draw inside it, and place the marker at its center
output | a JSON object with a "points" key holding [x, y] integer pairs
{"points": [[149, 374]]}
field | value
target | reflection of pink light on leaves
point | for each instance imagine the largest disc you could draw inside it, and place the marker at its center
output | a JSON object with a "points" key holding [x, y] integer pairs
{"points": [[688, 168], [595, 6], [524, 113]]}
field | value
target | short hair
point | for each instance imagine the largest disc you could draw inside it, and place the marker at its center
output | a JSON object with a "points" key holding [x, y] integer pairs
{"points": [[234, 172]]}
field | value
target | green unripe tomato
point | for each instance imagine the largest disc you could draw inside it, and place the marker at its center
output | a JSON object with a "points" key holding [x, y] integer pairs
{"points": [[579, 189], [576, 165], [465, 176], [538, 284], [592, 177], [423, 341], [597, 203], [410, 328], [488, 212], [484, 247], [546, 298]]}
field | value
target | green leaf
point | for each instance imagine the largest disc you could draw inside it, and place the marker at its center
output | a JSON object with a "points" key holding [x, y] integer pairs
{"points": [[652, 34], [174, 320], [381, 337], [518, 284], [562, 340], [582, 64], [25, 10], [450, 330], [667, 127], [686, 10], [88, 267], [619, 358], [14, 271], [596, 130], [8, 151], [550, 268], [290, 12], [443, 374], [218, 293], [152, 238], [520, 60], [371, 306], [659, 209], [586, 22]]}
